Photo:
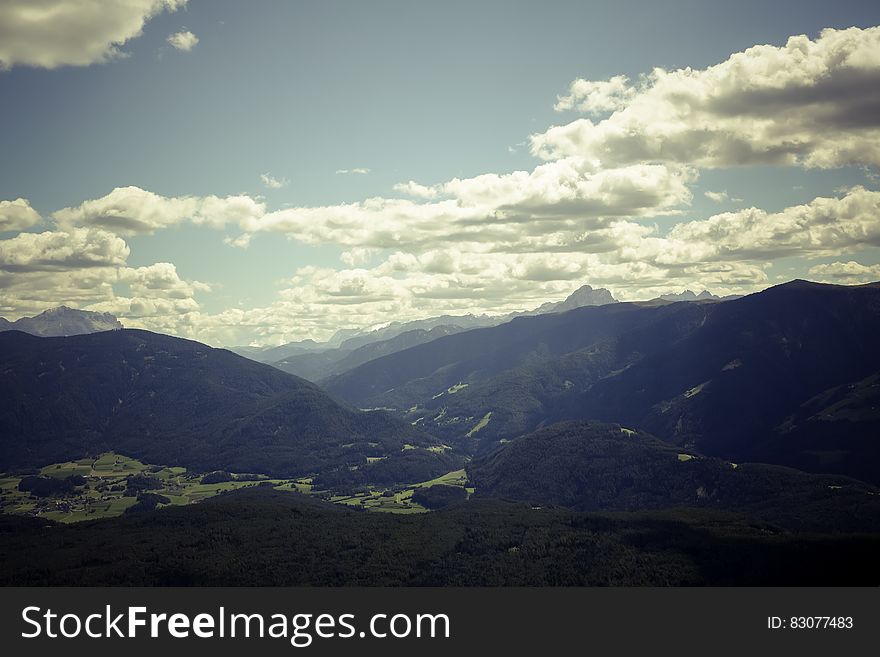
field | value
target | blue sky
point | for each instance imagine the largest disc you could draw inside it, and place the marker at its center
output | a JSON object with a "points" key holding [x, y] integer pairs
{"points": [[342, 102]]}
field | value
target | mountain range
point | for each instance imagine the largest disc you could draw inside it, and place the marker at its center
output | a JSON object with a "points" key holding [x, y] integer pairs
{"points": [[787, 376], [713, 425], [171, 401], [348, 347], [63, 321], [319, 364], [690, 295]]}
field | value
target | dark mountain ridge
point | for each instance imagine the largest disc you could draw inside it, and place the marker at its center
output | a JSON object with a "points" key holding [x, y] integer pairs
{"points": [[428, 369], [591, 466], [734, 387], [733, 379], [171, 401]]}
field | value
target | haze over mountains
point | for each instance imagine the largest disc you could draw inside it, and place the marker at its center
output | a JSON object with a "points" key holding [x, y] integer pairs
{"points": [[351, 347], [345, 349]]}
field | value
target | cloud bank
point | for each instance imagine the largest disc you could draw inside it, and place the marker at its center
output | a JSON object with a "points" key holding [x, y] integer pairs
{"points": [[814, 103]]}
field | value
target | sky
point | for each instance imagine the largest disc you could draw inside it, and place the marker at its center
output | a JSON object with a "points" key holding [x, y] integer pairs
{"points": [[266, 171]]}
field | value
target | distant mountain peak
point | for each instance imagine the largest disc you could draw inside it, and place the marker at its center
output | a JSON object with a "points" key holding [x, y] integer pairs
{"points": [[585, 295], [63, 321], [689, 295]]}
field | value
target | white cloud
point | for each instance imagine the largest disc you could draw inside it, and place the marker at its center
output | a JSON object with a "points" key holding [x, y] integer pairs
{"points": [[357, 256], [718, 197], [555, 203], [78, 248], [727, 253], [573, 186], [825, 226], [29, 293], [17, 215], [270, 182], [242, 241], [184, 41], [596, 97], [86, 268], [416, 190], [319, 300], [846, 272], [810, 102], [160, 280], [53, 33], [358, 171], [132, 210]]}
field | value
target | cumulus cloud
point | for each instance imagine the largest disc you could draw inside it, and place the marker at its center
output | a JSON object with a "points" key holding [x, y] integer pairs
{"points": [[160, 280], [846, 272], [596, 96], [17, 215], [184, 41], [132, 210], [270, 182], [319, 300], [825, 226], [61, 250], [416, 190], [242, 241], [53, 33], [814, 103], [555, 202], [718, 197], [87, 268], [29, 293], [357, 256], [728, 253]]}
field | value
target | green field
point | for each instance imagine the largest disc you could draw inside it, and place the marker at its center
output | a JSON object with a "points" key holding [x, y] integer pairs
{"points": [[480, 425], [104, 495], [399, 500]]}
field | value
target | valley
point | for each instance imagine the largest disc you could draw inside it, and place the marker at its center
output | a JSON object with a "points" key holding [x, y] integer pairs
{"points": [[113, 484]]}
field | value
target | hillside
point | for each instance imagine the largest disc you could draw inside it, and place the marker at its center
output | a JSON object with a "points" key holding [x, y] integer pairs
{"points": [[740, 386], [176, 402], [743, 379], [317, 365], [261, 537], [415, 375], [591, 466]]}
